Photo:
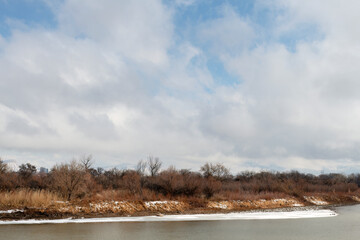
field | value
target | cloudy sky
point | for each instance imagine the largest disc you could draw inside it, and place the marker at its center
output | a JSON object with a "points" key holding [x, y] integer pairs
{"points": [[253, 84]]}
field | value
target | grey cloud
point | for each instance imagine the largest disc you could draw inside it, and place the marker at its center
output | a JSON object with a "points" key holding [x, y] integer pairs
{"points": [[21, 126], [41, 71], [98, 126]]}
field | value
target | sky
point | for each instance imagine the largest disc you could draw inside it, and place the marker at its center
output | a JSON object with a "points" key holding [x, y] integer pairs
{"points": [[255, 85]]}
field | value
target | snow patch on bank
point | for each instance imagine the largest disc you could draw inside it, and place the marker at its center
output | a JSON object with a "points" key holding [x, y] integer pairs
{"points": [[255, 204], [192, 217], [315, 200], [11, 211], [356, 198], [159, 203]]}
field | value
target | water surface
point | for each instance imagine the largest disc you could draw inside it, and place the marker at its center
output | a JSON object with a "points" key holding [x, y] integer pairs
{"points": [[344, 226]]}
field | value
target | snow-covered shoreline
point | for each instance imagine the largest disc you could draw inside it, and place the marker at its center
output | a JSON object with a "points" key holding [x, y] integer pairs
{"points": [[11, 211], [188, 217]]}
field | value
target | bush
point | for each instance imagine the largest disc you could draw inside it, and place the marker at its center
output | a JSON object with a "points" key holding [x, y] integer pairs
{"points": [[70, 180]]}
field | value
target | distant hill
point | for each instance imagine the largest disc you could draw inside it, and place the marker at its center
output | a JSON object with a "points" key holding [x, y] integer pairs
{"points": [[12, 164]]}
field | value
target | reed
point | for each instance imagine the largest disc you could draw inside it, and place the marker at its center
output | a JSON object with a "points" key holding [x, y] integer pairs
{"points": [[28, 198]]}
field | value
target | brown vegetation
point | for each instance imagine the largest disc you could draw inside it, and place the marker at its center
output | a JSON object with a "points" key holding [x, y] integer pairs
{"points": [[21, 198], [78, 181], [71, 180]]}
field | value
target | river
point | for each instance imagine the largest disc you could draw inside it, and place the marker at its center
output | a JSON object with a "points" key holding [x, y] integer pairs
{"points": [[344, 226]]}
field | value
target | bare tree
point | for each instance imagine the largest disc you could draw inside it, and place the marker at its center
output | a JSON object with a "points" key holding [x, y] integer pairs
{"points": [[141, 167], [69, 179], [113, 178], [132, 181], [211, 186], [26, 170], [192, 182], [217, 170], [170, 181], [154, 165], [86, 161]]}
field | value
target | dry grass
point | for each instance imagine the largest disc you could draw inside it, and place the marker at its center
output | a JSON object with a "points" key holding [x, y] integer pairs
{"points": [[247, 195], [28, 198], [121, 195]]}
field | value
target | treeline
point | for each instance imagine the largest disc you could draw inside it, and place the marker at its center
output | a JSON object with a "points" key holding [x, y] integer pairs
{"points": [[79, 180]]}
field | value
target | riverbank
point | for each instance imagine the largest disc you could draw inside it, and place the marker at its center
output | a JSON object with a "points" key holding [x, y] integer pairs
{"points": [[106, 209]]}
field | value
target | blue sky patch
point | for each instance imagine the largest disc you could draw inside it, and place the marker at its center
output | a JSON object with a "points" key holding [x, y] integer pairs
{"points": [[28, 12], [220, 75]]}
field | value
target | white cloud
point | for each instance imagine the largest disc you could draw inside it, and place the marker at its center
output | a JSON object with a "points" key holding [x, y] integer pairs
{"points": [[114, 80], [335, 18], [301, 102], [138, 30], [228, 34]]}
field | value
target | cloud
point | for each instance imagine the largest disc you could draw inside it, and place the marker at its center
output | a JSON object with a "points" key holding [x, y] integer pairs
{"points": [[334, 18], [73, 83], [116, 80], [140, 31], [19, 125], [230, 33], [302, 100]]}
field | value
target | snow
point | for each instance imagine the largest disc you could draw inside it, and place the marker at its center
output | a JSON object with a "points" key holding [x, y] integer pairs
{"points": [[155, 203], [356, 198], [260, 203], [220, 205], [11, 211], [292, 202], [315, 200], [297, 205], [319, 202], [194, 217]]}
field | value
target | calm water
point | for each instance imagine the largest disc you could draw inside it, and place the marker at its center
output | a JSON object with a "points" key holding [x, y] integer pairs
{"points": [[344, 226]]}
